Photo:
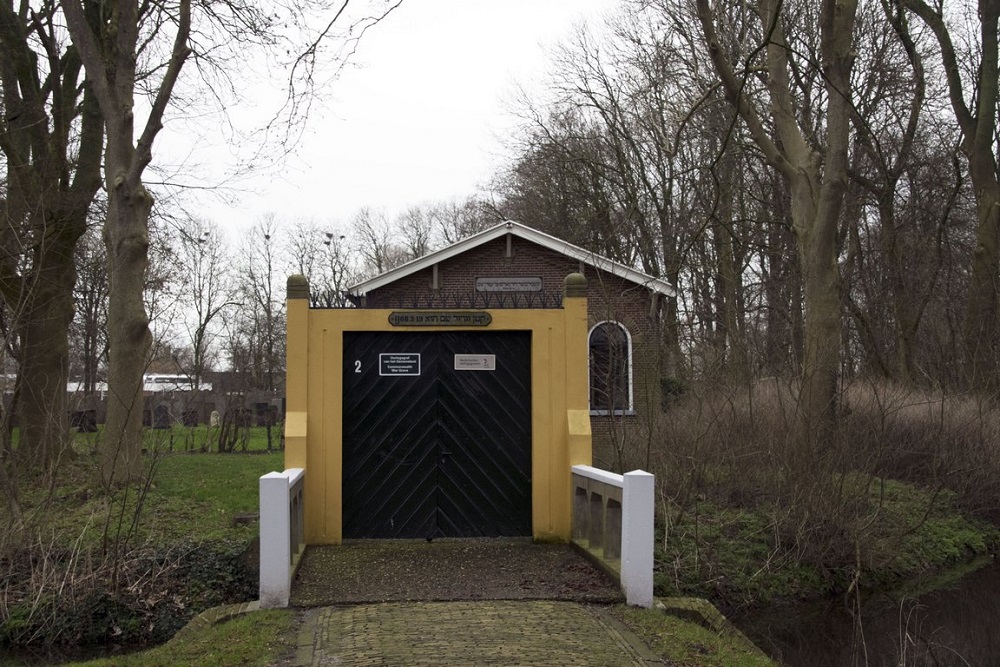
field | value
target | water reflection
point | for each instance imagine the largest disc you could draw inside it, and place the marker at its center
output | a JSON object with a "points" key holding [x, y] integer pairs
{"points": [[955, 626]]}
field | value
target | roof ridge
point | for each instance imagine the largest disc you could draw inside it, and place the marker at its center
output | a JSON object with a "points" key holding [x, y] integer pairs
{"points": [[520, 230]]}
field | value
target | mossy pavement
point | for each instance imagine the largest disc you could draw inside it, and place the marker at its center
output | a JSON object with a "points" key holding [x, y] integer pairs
{"points": [[459, 602], [495, 632]]}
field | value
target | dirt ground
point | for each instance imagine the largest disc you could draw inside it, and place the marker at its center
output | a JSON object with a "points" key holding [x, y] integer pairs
{"points": [[445, 569]]}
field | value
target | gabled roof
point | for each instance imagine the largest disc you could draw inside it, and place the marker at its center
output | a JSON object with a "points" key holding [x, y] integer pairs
{"points": [[520, 231]]}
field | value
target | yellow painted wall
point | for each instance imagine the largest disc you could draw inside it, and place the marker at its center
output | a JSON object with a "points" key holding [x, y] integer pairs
{"points": [[313, 428]]}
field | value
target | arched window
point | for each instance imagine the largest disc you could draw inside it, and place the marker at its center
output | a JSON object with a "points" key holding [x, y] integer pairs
{"points": [[610, 369]]}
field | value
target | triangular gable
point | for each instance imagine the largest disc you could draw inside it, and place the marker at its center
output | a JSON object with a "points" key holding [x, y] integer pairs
{"points": [[518, 230]]}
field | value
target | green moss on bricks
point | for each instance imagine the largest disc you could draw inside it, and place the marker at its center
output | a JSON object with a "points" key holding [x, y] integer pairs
{"points": [[706, 615]]}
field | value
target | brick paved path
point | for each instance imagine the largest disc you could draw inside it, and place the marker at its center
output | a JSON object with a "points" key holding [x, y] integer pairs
{"points": [[422, 634], [479, 569]]}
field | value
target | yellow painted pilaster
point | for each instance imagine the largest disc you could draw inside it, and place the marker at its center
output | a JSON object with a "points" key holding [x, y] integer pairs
{"points": [[296, 372], [544, 354], [333, 411], [574, 444], [299, 420], [577, 371], [317, 475], [555, 449]]}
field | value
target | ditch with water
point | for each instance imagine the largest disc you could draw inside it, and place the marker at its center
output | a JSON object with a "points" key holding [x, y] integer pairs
{"points": [[952, 622]]}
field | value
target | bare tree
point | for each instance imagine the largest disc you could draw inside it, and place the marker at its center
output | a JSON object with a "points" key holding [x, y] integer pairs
{"points": [[974, 92], [416, 228], [162, 294], [457, 220], [89, 341], [255, 332], [51, 140], [815, 165], [303, 247], [259, 321], [118, 44], [616, 166], [377, 241], [207, 290], [892, 78], [322, 254], [112, 62]]}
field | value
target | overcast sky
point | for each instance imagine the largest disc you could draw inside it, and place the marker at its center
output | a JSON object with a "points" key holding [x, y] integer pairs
{"points": [[418, 119]]}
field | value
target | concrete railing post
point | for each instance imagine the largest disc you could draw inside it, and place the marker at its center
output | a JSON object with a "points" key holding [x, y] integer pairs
{"points": [[623, 510], [637, 538], [280, 535]]}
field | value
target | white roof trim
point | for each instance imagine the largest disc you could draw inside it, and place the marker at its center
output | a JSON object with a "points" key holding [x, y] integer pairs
{"points": [[517, 229]]}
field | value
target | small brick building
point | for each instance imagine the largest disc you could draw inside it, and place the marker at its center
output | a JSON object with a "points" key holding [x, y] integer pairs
{"points": [[452, 395], [514, 266]]}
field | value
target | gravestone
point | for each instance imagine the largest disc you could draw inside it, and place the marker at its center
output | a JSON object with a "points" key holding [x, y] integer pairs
{"points": [[161, 417], [84, 421], [263, 414]]}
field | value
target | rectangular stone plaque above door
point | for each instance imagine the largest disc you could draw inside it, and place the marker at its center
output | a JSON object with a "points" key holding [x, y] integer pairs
{"points": [[508, 284]]}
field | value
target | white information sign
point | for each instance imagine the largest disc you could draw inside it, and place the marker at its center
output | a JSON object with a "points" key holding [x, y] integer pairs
{"points": [[475, 362], [399, 363]]}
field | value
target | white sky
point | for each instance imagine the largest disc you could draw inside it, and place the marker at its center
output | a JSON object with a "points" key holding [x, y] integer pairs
{"points": [[420, 116]]}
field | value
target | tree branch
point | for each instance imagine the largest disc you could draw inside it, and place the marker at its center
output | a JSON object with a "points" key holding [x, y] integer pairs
{"points": [[154, 123], [734, 91], [935, 21]]}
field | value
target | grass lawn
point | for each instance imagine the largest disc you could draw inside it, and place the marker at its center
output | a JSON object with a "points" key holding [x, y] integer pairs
{"points": [[191, 496], [687, 644], [191, 438], [199, 495], [256, 639]]}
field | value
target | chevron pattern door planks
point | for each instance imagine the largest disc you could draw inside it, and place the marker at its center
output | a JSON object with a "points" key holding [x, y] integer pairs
{"points": [[437, 434]]}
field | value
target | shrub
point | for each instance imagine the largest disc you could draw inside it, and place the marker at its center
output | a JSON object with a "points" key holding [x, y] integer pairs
{"points": [[744, 508], [140, 596]]}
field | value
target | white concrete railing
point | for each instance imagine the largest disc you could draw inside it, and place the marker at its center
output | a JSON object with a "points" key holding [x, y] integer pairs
{"points": [[613, 519], [282, 537]]}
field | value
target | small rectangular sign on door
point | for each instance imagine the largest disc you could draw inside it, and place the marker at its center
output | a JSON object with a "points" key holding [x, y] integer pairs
{"points": [[399, 363], [475, 362]]}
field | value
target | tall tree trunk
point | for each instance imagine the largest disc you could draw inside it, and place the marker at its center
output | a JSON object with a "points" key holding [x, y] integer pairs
{"points": [[982, 326], [44, 362], [129, 339], [49, 192], [109, 54], [977, 121], [905, 307], [780, 261], [732, 348], [817, 185], [821, 300]]}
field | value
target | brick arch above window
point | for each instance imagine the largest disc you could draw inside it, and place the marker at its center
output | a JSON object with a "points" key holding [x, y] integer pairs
{"points": [[610, 345]]}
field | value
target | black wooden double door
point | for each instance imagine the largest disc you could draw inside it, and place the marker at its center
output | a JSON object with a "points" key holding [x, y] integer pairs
{"points": [[437, 434]]}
